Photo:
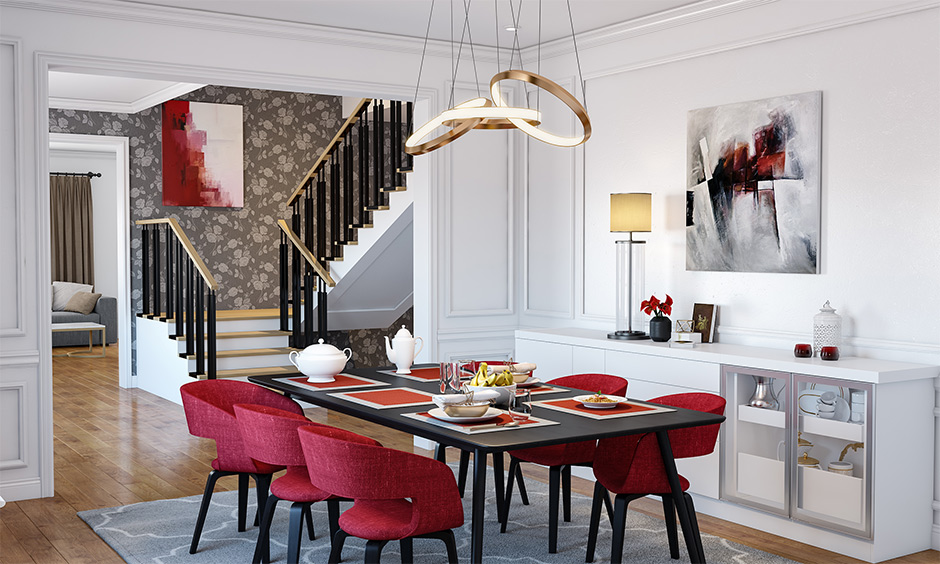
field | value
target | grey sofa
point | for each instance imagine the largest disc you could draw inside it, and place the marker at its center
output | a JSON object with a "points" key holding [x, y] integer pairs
{"points": [[105, 313]]}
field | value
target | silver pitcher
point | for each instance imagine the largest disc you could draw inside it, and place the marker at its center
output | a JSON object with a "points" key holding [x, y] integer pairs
{"points": [[764, 395]]}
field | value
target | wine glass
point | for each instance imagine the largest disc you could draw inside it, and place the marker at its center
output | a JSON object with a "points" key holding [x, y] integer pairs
{"points": [[450, 378], [520, 406]]}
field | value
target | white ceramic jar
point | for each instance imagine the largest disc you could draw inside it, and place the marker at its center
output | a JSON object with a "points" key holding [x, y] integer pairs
{"points": [[321, 362]]}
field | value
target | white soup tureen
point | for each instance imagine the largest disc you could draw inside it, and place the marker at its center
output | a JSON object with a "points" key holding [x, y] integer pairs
{"points": [[320, 362]]}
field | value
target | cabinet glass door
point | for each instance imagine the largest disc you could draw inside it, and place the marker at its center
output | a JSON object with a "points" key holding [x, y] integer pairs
{"points": [[832, 479], [756, 456]]}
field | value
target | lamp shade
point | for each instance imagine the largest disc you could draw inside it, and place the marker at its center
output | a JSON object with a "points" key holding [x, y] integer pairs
{"points": [[630, 212]]}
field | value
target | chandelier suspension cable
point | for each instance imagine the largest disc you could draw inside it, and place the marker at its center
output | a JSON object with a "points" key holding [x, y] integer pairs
{"points": [[424, 51], [473, 56], [574, 40], [538, 65], [463, 33]]}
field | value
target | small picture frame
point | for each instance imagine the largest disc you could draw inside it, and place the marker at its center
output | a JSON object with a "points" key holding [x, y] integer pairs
{"points": [[703, 321], [683, 326]]}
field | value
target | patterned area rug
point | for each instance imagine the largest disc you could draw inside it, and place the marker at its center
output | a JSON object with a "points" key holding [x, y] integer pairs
{"points": [[159, 532]]}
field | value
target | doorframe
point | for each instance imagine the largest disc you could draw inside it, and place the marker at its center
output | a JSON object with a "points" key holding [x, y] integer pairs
{"points": [[119, 147]]}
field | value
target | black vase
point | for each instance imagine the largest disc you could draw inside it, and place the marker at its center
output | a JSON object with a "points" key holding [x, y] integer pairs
{"points": [[660, 329]]}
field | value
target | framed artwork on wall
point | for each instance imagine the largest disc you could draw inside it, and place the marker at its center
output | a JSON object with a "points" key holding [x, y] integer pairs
{"points": [[752, 200], [703, 321], [203, 156]]}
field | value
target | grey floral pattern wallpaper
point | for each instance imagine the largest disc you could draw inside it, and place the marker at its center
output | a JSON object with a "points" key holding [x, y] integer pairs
{"points": [[284, 134]]}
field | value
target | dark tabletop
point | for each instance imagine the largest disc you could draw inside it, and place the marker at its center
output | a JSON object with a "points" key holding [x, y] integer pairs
{"points": [[571, 427]]}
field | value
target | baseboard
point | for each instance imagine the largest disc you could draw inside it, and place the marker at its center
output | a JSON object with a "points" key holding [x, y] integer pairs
{"points": [[19, 490]]}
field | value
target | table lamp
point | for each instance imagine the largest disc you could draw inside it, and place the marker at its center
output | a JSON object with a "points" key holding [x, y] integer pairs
{"points": [[629, 213]]}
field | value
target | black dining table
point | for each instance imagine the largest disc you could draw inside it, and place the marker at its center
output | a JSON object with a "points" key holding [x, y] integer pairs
{"points": [[570, 428]]}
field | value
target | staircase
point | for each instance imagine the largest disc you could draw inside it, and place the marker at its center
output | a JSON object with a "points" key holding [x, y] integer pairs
{"points": [[358, 182]]}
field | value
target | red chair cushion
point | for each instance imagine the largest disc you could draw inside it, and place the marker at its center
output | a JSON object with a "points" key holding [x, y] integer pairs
{"points": [[295, 486], [378, 519]]}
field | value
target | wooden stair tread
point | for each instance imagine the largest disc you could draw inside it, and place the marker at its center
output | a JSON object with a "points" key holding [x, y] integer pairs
{"points": [[265, 371], [243, 334], [236, 314], [249, 352]]}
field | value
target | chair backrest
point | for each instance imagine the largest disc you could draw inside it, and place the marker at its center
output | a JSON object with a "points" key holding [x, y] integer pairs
{"points": [[270, 434], [603, 383], [634, 463], [209, 407]]}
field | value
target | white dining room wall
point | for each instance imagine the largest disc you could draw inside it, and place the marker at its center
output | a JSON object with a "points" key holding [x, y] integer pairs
{"points": [[879, 73]]}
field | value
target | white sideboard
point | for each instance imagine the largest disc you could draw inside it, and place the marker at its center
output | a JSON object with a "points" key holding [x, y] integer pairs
{"points": [[899, 431]]}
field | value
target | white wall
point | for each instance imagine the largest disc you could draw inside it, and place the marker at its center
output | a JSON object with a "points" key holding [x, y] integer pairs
{"points": [[105, 201]]}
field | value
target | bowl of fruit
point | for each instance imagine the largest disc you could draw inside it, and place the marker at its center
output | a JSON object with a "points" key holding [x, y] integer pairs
{"points": [[495, 387]]}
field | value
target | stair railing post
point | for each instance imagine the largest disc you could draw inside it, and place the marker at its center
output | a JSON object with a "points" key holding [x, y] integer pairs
{"points": [[308, 306], [296, 340], [334, 207], [396, 145], [178, 286], [190, 323], [283, 282], [321, 217], [381, 153], [210, 341], [347, 194], [200, 327], [169, 273], [409, 124], [376, 157], [361, 211], [321, 309], [157, 293], [145, 274]]}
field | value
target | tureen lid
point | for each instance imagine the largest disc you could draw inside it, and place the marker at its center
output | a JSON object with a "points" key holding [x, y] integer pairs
{"points": [[403, 333], [322, 350]]}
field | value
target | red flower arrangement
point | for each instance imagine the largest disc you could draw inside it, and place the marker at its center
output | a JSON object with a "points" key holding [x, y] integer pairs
{"points": [[657, 308]]}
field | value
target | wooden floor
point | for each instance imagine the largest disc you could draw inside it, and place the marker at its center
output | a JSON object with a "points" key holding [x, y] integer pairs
{"points": [[116, 446]]}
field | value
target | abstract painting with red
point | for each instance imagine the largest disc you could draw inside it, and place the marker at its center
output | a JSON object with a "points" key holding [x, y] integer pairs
{"points": [[202, 155]]}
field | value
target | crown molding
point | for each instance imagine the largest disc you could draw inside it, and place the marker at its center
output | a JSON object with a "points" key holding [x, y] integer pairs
{"points": [[148, 101]]}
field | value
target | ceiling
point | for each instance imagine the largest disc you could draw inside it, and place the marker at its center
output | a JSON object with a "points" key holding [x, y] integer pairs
{"points": [[397, 17]]}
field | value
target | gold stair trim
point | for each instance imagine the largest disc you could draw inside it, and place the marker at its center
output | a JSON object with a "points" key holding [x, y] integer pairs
{"points": [[249, 352], [264, 371], [244, 335]]}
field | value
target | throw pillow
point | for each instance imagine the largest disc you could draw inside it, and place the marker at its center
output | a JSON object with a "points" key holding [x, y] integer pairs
{"points": [[82, 302], [62, 292]]}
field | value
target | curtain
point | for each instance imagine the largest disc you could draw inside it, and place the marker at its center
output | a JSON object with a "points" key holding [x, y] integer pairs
{"points": [[73, 257]]}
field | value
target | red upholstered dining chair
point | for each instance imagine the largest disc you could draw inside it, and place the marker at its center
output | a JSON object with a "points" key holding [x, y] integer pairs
{"points": [[396, 495], [270, 437], [208, 405], [560, 458], [632, 467]]}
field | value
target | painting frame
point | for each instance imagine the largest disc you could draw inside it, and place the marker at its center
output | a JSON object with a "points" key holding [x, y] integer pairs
{"points": [[753, 189], [703, 321]]}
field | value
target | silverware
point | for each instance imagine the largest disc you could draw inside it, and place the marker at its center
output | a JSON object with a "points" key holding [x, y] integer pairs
{"points": [[494, 426]]}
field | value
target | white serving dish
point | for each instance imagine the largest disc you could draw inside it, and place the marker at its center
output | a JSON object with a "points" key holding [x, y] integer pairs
{"points": [[320, 362], [607, 405], [438, 413]]}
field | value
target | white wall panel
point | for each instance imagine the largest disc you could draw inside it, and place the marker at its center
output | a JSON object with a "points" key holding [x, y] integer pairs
{"points": [[11, 298]]}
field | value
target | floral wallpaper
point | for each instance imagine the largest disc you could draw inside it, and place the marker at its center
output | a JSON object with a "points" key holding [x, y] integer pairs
{"points": [[284, 134]]}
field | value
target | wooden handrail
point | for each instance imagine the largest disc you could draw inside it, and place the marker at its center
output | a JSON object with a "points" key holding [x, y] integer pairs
{"points": [[190, 250], [353, 117], [322, 272]]}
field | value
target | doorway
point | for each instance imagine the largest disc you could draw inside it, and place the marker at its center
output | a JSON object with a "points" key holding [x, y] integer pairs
{"points": [[109, 156]]}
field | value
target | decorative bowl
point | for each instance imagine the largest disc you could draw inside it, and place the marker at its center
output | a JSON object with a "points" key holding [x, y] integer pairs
{"points": [[520, 377], [475, 409]]}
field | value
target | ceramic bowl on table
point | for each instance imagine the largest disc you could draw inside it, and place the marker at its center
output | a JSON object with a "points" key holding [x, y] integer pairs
{"points": [[475, 409], [321, 362]]}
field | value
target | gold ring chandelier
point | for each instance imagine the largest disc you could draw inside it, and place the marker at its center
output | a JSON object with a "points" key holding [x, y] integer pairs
{"points": [[483, 113]]}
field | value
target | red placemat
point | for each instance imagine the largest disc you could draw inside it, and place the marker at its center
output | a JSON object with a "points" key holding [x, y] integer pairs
{"points": [[624, 409], [387, 398], [341, 381], [429, 374], [539, 389], [487, 426]]}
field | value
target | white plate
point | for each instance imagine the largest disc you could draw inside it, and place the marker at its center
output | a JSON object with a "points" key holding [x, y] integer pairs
{"points": [[438, 413], [808, 397], [592, 405], [529, 383]]}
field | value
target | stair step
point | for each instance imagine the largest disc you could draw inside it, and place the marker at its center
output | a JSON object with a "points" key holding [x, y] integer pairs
{"points": [[376, 208], [267, 371], [249, 352], [394, 189], [243, 334]]}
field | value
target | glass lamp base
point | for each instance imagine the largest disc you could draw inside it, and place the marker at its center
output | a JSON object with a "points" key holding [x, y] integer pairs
{"points": [[628, 335]]}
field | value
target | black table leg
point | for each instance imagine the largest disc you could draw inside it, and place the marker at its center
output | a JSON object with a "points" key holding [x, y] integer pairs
{"points": [[477, 505], [499, 481], [692, 542]]}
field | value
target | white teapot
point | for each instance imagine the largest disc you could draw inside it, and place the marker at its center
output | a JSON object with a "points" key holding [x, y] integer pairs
{"points": [[401, 350], [320, 362]]}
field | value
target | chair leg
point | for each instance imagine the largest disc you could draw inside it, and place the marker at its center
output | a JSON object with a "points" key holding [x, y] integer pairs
{"points": [[519, 480], [374, 551], [610, 509], [504, 516], [332, 511], [694, 520], [242, 501], [450, 542], [554, 484], [599, 492], [336, 548], [407, 550], [440, 453], [566, 492], [263, 545], [499, 481], [619, 525], [672, 533], [308, 515], [204, 507], [294, 529], [262, 486], [462, 474]]}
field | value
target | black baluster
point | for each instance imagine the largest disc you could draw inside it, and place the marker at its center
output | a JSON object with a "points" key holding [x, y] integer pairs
{"points": [[398, 180], [284, 282], [380, 155], [190, 325], [347, 194], [169, 272], [366, 164], [361, 210], [211, 353], [408, 165], [295, 283], [321, 309], [308, 305], [145, 274], [180, 267], [334, 207], [157, 294], [308, 215], [200, 326], [376, 157], [321, 216]]}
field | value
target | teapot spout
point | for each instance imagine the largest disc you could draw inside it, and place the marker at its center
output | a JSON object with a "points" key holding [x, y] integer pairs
{"points": [[388, 350]]}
